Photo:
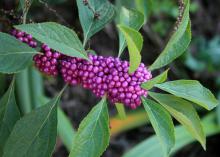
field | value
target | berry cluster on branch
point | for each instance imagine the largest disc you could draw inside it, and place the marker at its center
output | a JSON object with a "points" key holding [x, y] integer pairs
{"points": [[102, 75]]}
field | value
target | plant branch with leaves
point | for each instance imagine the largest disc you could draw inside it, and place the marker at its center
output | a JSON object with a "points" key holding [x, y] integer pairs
{"points": [[124, 83]]}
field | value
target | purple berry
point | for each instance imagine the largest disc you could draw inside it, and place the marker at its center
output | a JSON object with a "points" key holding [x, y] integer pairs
{"points": [[105, 75], [48, 62], [24, 37]]}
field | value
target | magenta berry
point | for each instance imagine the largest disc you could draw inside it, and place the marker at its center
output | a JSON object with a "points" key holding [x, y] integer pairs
{"points": [[103, 75], [24, 37], [48, 62], [107, 75]]}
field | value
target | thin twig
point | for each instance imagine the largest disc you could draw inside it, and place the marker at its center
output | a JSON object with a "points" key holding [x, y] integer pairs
{"points": [[54, 12]]}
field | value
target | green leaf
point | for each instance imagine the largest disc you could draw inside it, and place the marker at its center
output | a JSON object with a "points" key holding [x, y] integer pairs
{"points": [[159, 79], [135, 42], [183, 138], [12, 52], [184, 112], [36, 87], [191, 90], [121, 110], [93, 134], [218, 110], [65, 129], [162, 124], [90, 24], [144, 6], [23, 92], [35, 134], [178, 42], [130, 18], [57, 37], [9, 114]]}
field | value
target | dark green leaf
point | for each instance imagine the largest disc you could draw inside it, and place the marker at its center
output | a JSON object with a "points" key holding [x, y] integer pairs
{"points": [[14, 55], [184, 112], [144, 6], [135, 42], [158, 79], [93, 134], [130, 18], [65, 129], [191, 90], [9, 114], [102, 8], [151, 148], [35, 134], [3, 84], [162, 124], [23, 91], [178, 42], [36, 86], [57, 37]]}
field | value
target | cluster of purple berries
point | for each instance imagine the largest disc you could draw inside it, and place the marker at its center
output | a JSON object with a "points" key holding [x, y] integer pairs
{"points": [[48, 62], [102, 75], [24, 37], [107, 75]]}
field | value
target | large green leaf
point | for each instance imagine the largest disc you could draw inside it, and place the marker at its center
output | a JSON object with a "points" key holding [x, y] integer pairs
{"points": [[35, 134], [184, 112], [93, 134], [191, 90], [57, 37], [162, 124], [135, 42], [178, 42], [151, 148], [9, 114], [91, 25], [158, 79], [130, 18], [14, 55]]}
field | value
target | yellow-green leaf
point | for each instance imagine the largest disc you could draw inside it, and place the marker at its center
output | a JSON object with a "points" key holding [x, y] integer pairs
{"points": [[130, 18], [135, 42], [158, 79]]}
